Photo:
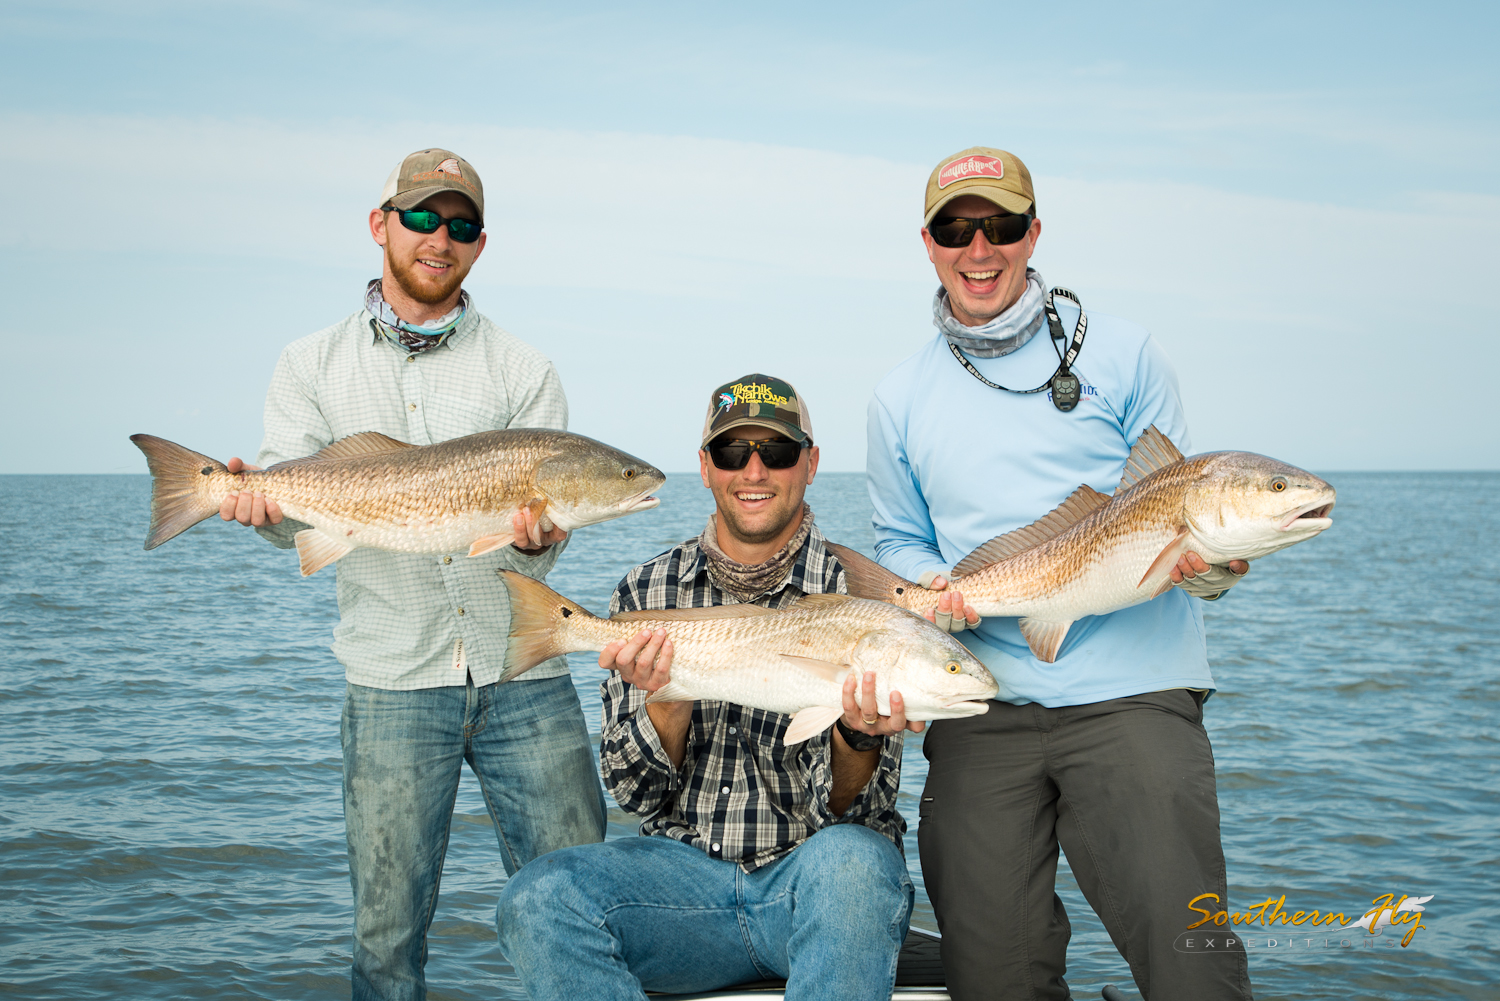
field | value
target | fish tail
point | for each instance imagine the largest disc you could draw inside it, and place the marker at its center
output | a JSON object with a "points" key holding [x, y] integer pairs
{"points": [[868, 579], [540, 624], [180, 496]]}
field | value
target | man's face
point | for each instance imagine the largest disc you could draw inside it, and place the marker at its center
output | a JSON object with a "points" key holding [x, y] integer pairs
{"points": [[429, 267], [757, 504], [982, 280]]}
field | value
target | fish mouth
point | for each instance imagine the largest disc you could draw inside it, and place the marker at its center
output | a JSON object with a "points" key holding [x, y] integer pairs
{"points": [[1310, 516], [640, 502], [968, 703]]}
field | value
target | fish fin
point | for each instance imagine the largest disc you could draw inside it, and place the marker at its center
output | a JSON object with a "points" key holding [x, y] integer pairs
{"points": [[1080, 504], [670, 692], [490, 543], [821, 600], [177, 502], [810, 722], [868, 579], [364, 443], [317, 550], [1151, 451], [1044, 636], [539, 624], [1167, 558], [824, 669], [693, 614]]}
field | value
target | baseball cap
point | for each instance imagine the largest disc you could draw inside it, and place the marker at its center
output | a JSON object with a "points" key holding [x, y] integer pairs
{"points": [[759, 400], [980, 170], [428, 172]]}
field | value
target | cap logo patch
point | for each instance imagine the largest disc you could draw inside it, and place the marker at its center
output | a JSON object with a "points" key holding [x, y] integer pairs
{"points": [[450, 166], [726, 400], [755, 392], [970, 166]]}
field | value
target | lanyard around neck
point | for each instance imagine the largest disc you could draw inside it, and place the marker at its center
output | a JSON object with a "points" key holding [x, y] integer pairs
{"points": [[1063, 383]]}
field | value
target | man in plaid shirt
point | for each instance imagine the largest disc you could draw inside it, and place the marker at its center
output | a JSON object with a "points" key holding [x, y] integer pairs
{"points": [[760, 860]]}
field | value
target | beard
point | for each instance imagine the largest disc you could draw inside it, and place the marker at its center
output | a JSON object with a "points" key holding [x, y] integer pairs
{"points": [[775, 522], [427, 289]]}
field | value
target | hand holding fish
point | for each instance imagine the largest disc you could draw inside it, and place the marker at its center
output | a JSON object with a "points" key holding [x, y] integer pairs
{"points": [[248, 507], [528, 527], [644, 660], [951, 615], [1203, 580], [856, 718]]}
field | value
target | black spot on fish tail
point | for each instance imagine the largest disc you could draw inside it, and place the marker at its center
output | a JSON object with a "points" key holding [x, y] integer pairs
{"points": [[206, 470], [566, 611]]}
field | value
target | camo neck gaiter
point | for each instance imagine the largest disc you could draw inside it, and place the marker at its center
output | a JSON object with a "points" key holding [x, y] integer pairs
{"points": [[744, 581], [1005, 333], [409, 337]]}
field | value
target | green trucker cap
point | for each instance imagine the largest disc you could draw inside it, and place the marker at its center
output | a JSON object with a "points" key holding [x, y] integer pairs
{"points": [[428, 172], [758, 400]]}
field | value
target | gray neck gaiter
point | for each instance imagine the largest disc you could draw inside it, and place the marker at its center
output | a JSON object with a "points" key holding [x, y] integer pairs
{"points": [[744, 581], [1005, 333]]}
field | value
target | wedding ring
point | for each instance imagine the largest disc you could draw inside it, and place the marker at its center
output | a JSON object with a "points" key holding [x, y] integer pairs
{"points": [[870, 722]]}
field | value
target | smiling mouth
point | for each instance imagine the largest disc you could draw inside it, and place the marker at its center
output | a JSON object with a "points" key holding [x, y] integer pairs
{"points": [[753, 496], [437, 265]]}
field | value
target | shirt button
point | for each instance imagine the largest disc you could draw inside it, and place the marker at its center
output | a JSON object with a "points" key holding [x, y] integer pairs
{"points": [[725, 790], [410, 359], [733, 730], [460, 611], [716, 846], [411, 406], [447, 559]]}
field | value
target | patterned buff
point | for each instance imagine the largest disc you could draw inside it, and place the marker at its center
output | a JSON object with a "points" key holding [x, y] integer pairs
{"points": [[1005, 333], [748, 582], [408, 337]]}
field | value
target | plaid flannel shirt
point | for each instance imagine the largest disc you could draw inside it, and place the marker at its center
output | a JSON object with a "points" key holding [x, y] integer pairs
{"points": [[741, 793]]}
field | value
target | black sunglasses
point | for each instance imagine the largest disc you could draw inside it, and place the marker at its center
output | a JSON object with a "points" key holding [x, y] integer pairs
{"points": [[427, 221], [1000, 230], [776, 453]]}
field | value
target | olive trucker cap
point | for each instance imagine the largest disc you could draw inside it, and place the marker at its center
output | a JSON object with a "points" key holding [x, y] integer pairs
{"points": [[980, 170], [428, 172], [759, 400]]}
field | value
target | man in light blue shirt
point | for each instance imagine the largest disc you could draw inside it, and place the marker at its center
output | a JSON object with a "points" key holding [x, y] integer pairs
{"points": [[1102, 751], [422, 637]]}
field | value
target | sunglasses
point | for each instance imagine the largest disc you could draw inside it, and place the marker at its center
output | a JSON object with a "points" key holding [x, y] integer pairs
{"points": [[427, 221], [734, 453], [1000, 230]]}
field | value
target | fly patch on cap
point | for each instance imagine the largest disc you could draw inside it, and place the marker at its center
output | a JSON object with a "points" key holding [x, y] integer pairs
{"points": [[760, 401]]}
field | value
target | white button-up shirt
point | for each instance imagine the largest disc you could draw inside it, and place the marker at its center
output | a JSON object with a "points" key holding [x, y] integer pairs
{"points": [[410, 621]]}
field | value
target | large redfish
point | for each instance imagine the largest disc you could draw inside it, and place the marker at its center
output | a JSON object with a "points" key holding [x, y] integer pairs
{"points": [[368, 490], [1095, 554]]}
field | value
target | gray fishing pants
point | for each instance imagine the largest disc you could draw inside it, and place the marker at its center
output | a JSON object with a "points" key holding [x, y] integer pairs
{"points": [[1127, 788]]}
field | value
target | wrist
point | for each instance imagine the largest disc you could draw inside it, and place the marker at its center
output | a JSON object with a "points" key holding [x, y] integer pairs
{"points": [[855, 739]]}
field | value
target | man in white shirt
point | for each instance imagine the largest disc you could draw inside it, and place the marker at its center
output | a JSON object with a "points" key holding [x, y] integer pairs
{"points": [[422, 637]]}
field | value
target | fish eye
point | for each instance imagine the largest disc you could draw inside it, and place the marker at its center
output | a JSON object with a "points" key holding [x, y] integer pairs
{"points": [[628, 472], [1278, 484], [953, 667]]}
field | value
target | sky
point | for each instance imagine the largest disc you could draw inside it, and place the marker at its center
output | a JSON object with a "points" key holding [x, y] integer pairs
{"points": [[1300, 201]]}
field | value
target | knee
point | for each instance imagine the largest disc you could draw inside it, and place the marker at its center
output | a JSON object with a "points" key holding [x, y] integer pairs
{"points": [[542, 894], [855, 864]]}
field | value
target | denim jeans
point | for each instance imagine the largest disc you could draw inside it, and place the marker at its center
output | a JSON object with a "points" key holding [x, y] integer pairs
{"points": [[403, 753], [606, 922]]}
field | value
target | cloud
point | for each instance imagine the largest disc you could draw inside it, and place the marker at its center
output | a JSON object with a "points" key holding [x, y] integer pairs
{"points": [[1322, 334]]}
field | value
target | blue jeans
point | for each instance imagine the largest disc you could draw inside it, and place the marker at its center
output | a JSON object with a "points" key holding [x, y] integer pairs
{"points": [[606, 922], [403, 753]]}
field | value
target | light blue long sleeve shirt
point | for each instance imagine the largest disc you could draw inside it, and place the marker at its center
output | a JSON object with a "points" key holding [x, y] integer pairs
{"points": [[953, 463]]}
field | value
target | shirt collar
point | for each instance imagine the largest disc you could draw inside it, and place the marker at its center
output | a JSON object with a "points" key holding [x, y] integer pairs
{"points": [[798, 578]]}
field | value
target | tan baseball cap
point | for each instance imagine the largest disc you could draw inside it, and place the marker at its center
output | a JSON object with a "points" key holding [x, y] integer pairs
{"points": [[980, 170], [760, 400], [428, 172]]}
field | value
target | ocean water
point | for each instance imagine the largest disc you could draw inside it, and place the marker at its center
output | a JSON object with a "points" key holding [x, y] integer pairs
{"points": [[170, 818]]}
